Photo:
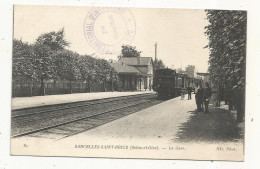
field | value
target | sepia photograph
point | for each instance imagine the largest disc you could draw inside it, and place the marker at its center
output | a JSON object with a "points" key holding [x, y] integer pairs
{"points": [[118, 82]]}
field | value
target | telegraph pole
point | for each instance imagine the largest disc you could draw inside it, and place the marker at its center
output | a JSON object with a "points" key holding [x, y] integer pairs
{"points": [[155, 50]]}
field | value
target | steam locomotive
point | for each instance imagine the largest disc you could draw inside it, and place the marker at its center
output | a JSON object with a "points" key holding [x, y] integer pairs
{"points": [[168, 83]]}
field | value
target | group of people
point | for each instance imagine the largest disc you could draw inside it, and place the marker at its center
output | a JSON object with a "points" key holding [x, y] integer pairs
{"points": [[203, 96]]}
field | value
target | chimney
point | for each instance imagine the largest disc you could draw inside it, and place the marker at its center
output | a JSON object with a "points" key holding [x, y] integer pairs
{"points": [[138, 60]]}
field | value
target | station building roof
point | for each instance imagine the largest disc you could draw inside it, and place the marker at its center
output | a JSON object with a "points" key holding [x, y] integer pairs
{"points": [[125, 69], [134, 60], [202, 74]]}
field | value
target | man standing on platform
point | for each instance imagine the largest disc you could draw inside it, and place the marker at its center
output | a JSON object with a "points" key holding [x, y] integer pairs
{"points": [[199, 97], [207, 97], [189, 89]]}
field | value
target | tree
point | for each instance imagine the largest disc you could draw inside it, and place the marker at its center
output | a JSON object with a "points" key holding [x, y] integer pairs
{"points": [[47, 59], [95, 70], [87, 69], [44, 64], [67, 66], [179, 70], [158, 64], [190, 70], [22, 56], [23, 66], [33, 63], [55, 40], [129, 51], [45, 47], [105, 72], [227, 44]]}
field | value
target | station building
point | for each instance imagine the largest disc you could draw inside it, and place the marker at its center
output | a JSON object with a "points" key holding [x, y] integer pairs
{"points": [[205, 77], [134, 73]]}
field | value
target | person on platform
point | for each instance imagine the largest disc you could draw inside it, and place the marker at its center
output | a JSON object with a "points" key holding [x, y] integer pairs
{"points": [[199, 98], [195, 92], [189, 89], [182, 93], [207, 96], [196, 88]]}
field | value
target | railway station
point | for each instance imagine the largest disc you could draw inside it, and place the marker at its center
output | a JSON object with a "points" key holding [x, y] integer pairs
{"points": [[134, 73], [117, 118], [128, 113], [125, 87], [146, 96]]}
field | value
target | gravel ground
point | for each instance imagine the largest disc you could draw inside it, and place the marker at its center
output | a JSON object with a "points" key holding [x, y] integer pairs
{"points": [[42, 120], [218, 126], [23, 102], [159, 123]]}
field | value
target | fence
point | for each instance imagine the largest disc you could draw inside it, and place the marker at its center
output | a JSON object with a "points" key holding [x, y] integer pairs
{"points": [[25, 89]]}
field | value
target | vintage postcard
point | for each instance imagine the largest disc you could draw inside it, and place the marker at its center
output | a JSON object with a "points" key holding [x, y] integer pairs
{"points": [[128, 82]]}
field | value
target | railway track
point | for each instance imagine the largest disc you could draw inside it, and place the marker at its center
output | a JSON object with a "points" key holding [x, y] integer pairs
{"points": [[77, 109], [57, 122], [64, 106]]}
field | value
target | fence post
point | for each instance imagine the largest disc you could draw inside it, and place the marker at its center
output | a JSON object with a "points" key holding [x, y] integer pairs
{"points": [[31, 89], [70, 86], [104, 85], [112, 82], [42, 86]]}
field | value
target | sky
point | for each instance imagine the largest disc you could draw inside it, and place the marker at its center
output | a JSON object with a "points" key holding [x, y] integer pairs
{"points": [[179, 33]]}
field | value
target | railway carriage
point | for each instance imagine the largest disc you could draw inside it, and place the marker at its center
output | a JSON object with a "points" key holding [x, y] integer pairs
{"points": [[164, 82], [168, 83], [182, 82], [192, 82]]}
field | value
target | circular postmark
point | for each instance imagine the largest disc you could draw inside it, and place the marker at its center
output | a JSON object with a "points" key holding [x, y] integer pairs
{"points": [[108, 28]]}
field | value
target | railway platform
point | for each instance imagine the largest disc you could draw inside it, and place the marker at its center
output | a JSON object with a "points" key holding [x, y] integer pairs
{"points": [[170, 121], [25, 102], [160, 122], [167, 125]]}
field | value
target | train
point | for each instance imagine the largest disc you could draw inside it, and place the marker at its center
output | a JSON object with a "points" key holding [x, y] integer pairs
{"points": [[168, 83]]}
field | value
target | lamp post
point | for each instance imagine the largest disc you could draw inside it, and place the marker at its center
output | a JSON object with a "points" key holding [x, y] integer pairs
{"points": [[155, 50]]}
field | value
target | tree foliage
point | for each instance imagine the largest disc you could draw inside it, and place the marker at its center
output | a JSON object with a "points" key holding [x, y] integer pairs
{"points": [[104, 70], [67, 65], [55, 40], [180, 70], [227, 44], [47, 59], [95, 70], [158, 64], [190, 69], [129, 51], [23, 63], [44, 63], [87, 68]]}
